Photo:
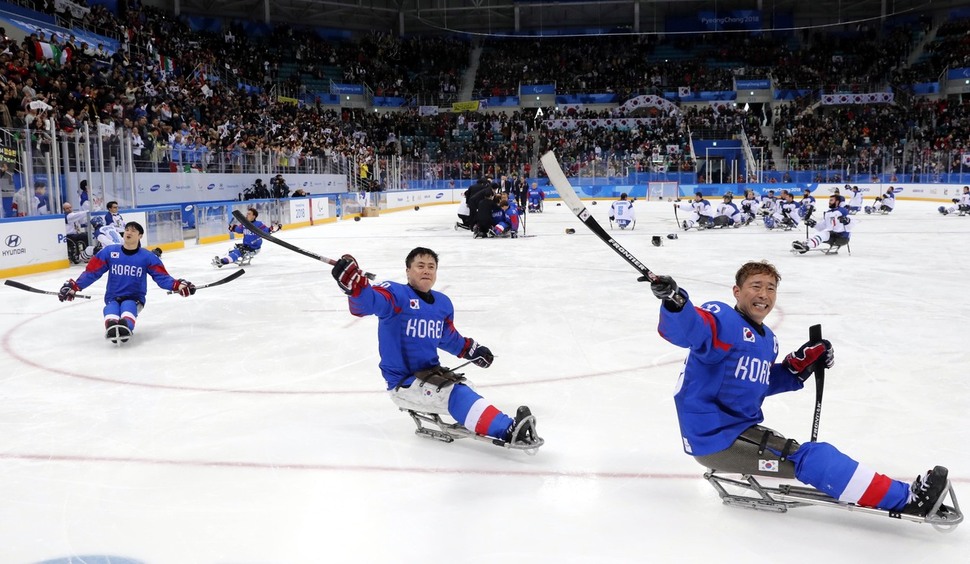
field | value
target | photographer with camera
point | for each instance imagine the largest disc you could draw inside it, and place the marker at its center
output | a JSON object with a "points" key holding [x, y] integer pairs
{"points": [[279, 188]]}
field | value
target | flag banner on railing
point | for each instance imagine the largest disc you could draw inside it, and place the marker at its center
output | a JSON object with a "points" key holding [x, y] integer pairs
{"points": [[867, 98], [57, 53]]}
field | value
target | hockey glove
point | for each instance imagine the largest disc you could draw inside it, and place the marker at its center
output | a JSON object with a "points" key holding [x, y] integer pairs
{"points": [[478, 354], [183, 287], [68, 290], [844, 219], [808, 357], [349, 276], [811, 222]]}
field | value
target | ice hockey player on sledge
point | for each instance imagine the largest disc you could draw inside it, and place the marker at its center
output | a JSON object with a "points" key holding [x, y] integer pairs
{"points": [[833, 228], [622, 212], [961, 204], [728, 214], [749, 206], [855, 201], [730, 371], [702, 213], [536, 197], [414, 322], [251, 243], [884, 204], [128, 266]]}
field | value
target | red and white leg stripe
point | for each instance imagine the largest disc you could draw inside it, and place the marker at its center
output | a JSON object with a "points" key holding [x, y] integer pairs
{"points": [[866, 487], [480, 416]]}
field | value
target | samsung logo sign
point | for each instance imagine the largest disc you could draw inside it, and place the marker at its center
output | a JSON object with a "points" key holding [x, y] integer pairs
{"points": [[155, 188], [210, 187], [439, 195]]}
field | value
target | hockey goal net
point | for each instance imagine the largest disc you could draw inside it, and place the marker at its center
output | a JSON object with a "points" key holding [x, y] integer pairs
{"points": [[663, 190]]}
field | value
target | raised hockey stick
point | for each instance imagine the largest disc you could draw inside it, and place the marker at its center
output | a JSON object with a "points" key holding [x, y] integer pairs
{"points": [[815, 334], [26, 288], [220, 281], [568, 195], [248, 225]]}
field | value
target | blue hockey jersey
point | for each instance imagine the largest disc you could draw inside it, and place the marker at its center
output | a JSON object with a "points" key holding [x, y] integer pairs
{"points": [[128, 273], [250, 239], [729, 371], [410, 330]]}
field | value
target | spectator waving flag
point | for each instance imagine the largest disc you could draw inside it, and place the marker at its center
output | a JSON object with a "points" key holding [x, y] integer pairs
{"points": [[165, 63], [59, 54], [966, 159]]}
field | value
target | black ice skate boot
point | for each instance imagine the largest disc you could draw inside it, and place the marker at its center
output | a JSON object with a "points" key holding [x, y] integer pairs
{"points": [[926, 492], [523, 431], [799, 246]]}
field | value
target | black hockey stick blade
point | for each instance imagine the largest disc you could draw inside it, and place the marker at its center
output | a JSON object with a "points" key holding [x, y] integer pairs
{"points": [[815, 334], [248, 225], [26, 288], [220, 281], [568, 195]]}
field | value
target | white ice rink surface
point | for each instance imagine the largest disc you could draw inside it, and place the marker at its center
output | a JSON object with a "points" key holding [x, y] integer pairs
{"points": [[248, 424]]}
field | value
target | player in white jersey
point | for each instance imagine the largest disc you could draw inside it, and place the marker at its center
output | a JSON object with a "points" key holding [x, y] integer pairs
{"points": [[885, 203], [855, 201], [961, 204], [834, 227], [702, 213], [621, 211], [728, 214], [749, 206]]}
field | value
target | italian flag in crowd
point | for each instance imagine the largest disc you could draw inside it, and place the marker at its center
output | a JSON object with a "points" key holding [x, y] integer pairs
{"points": [[44, 50], [165, 64]]}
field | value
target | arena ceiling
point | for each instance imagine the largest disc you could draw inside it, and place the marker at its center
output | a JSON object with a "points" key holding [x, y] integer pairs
{"points": [[496, 17]]}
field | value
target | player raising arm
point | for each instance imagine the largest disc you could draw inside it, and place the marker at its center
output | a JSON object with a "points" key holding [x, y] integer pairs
{"points": [[128, 266], [730, 370], [414, 322]]}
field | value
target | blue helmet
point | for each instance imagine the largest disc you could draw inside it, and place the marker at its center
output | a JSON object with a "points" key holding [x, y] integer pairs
{"points": [[97, 222]]}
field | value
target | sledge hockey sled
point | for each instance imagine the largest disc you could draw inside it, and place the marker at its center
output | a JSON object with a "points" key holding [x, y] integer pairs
{"points": [[828, 249], [752, 495], [449, 432]]}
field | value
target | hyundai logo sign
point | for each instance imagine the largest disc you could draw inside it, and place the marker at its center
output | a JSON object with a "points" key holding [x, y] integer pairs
{"points": [[13, 241]]}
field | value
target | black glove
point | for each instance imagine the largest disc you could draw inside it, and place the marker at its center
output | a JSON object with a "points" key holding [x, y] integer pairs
{"points": [[844, 219], [811, 222], [664, 287], [809, 357], [349, 276], [68, 291], [183, 287], [479, 354]]}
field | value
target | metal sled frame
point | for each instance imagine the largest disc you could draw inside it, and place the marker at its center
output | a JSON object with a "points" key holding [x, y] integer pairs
{"points": [[943, 518], [448, 432], [829, 250]]}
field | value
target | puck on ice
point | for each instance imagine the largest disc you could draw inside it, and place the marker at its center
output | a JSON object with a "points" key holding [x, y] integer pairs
{"points": [[416, 208], [357, 218], [570, 231]]}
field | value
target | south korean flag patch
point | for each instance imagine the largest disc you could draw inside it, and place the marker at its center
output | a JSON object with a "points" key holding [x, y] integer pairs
{"points": [[748, 334], [115, 254], [415, 304], [767, 465]]}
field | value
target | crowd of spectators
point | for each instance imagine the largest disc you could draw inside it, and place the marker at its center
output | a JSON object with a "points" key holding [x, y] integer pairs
{"points": [[201, 116]]}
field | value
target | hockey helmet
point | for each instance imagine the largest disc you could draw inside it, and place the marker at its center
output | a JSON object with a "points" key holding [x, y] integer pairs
{"points": [[728, 196], [97, 222]]}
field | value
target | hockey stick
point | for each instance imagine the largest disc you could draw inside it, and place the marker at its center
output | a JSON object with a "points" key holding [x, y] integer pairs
{"points": [[248, 225], [568, 195], [220, 281], [676, 217], [815, 334], [22, 286]]}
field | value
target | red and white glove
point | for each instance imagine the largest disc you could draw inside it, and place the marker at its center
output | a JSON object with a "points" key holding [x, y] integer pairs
{"points": [[479, 354], [68, 290], [183, 287], [809, 357], [349, 276]]}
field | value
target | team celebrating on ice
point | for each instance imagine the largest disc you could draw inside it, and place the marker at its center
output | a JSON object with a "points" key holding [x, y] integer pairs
{"points": [[731, 367]]}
